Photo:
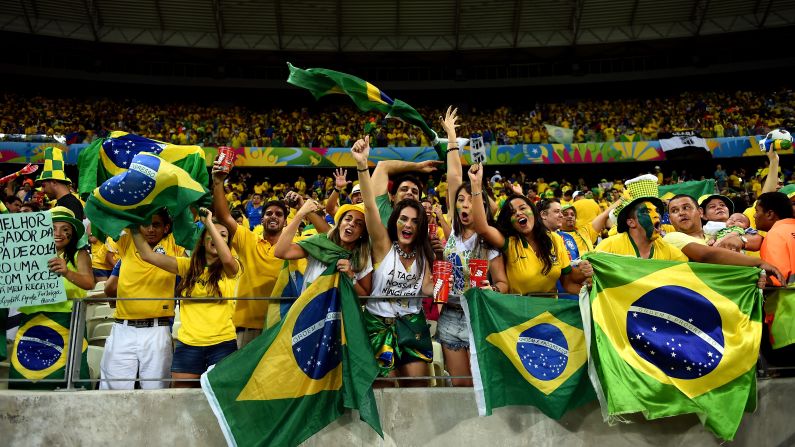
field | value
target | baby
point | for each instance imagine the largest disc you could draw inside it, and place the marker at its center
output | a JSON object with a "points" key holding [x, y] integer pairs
{"points": [[737, 223]]}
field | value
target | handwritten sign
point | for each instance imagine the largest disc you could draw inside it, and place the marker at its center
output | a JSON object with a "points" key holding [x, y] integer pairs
{"points": [[478, 150], [26, 244]]}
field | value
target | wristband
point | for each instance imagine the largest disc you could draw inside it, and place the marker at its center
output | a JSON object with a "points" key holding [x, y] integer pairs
{"points": [[362, 170], [452, 149], [477, 193]]}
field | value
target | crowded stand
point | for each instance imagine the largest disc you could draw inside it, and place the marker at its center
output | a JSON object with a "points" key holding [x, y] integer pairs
{"points": [[710, 114], [163, 313]]}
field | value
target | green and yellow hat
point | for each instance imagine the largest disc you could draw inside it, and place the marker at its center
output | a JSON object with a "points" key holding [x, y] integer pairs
{"points": [[53, 166], [638, 189], [64, 214]]}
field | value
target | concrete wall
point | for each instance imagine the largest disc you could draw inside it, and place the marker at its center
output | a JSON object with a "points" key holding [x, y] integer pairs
{"points": [[432, 416]]}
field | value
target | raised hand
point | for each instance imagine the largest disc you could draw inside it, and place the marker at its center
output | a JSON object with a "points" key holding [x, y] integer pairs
{"points": [[449, 121], [294, 200], [361, 150], [206, 216], [476, 176], [309, 206], [340, 178], [517, 189]]}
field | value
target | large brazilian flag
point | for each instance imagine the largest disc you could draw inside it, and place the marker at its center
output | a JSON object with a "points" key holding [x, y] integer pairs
{"points": [[672, 337], [133, 196], [302, 372], [527, 351], [111, 156]]}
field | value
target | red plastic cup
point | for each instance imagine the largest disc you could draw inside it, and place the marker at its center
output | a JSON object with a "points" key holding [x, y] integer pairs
{"points": [[226, 158], [432, 229], [478, 272], [442, 270]]}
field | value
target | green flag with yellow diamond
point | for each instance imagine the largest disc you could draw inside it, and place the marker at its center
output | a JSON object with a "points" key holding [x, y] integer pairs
{"points": [[527, 351], [670, 338]]}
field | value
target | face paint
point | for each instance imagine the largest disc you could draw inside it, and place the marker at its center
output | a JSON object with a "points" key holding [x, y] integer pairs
{"points": [[648, 217]]}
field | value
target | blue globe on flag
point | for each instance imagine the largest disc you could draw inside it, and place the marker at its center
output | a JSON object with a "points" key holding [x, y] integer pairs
{"points": [[317, 335], [543, 351]]}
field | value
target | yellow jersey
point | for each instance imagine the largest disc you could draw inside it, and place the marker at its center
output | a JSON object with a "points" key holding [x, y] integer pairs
{"points": [[205, 322], [524, 268]]}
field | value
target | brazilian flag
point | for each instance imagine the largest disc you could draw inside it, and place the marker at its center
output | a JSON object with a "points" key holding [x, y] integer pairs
{"points": [[288, 285], [670, 338], [40, 351], [303, 372], [149, 184], [780, 317], [527, 351], [108, 157], [694, 188]]}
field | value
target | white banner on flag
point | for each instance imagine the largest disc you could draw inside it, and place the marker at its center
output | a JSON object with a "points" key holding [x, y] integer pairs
{"points": [[477, 150]]}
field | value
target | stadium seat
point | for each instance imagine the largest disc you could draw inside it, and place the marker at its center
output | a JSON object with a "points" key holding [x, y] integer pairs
{"points": [[98, 291], [97, 320], [98, 310], [94, 357], [100, 334]]}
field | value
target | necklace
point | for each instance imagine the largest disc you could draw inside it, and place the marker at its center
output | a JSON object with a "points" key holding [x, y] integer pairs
{"points": [[402, 253]]}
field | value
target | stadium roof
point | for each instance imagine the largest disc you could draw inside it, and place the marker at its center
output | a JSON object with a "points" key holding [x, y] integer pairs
{"points": [[387, 25]]}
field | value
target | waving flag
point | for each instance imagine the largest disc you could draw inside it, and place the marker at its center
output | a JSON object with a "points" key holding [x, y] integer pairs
{"points": [[559, 134], [527, 351], [149, 184], [674, 338], [303, 372], [367, 97], [780, 317], [108, 157], [694, 188]]}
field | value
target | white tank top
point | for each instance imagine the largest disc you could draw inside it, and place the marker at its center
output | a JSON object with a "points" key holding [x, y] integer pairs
{"points": [[390, 278]]}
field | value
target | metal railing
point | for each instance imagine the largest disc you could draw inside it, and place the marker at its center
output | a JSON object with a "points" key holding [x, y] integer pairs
{"points": [[77, 327]]}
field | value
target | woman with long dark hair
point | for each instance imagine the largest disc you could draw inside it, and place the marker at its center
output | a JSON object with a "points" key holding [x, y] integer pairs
{"points": [[402, 257], [464, 244], [534, 257], [207, 333]]}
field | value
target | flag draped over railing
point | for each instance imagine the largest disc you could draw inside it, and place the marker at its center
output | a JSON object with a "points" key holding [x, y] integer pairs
{"points": [[527, 351], [302, 372], [670, 338]]}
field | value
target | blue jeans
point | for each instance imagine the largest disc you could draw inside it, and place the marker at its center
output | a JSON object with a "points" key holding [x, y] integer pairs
{"points": [[452, 329], [196, 359]]}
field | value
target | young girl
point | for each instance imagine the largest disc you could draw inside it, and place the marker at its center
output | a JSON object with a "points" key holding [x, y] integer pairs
{"points": [[534, 258], [207, 334], [45, 327], [452, 330], [349, 233], [402, 256]]}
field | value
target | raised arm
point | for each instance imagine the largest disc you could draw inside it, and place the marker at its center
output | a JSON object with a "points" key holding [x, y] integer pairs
{"points": [[386, 168], [318, 221], [479, 220], [715, 255], [220, 204], [165, 262], [378, 235], [340, 182], [772, 174], [454, 168], [600, 222], [231, 266], [285, 248]]}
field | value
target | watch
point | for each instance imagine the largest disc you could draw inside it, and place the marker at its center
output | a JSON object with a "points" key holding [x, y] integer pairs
{"points": [[745, 241]]}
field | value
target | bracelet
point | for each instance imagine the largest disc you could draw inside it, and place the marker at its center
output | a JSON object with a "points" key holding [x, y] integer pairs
{"points": [[452, 149], [362, 170], [477, 193], [495, 288]]}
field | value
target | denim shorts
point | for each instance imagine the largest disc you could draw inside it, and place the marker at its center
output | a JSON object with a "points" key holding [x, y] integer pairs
{"points": [[452, 329], [196, 359]]}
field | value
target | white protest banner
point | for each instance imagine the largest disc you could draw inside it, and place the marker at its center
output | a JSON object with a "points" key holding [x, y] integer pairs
{"points": [[477, 150], [26, 244]]}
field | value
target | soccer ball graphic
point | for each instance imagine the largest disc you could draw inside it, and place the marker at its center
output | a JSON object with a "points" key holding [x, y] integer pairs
{"points": [[776, 139], [779, 134]]}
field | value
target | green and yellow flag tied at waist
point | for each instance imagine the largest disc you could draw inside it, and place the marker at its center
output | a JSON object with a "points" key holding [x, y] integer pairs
{"points": [[108, 157], [694, 188], [527, 351], [133, 196], [302, 373], [780, 317], [673, 337]]}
